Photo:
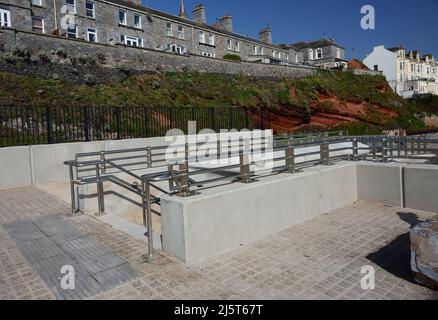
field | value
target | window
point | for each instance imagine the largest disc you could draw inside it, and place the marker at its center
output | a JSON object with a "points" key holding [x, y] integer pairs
{"points": [[376, 67], [233, 45], [91, 35], [319, 54], [254, 50], [137, 21], [169, 29], [180, 32], [287, 56], [208, 54], [310, 54], [72, 32], [131, 42], [338, 53], [211, 39], [122, 17], [89, 8], [201, 37], [274, 54], [37, 3], [71, 6], [178, 49], [38, 24], [5, 18]]}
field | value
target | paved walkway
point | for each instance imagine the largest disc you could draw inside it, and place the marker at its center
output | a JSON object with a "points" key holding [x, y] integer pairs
{"points": [[318, 259]]}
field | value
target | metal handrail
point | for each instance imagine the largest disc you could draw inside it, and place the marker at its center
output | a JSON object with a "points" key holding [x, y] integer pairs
{"points": [[180, 181]]}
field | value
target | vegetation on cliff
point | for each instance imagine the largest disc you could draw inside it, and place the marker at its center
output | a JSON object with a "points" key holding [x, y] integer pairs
{"points": [[329, 99]]}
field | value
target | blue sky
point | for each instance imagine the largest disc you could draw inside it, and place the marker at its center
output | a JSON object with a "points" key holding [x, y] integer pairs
{"points": [[413, 24]]}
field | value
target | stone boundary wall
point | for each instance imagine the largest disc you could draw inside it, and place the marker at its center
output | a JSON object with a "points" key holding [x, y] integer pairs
{"points": [[124, 58]]}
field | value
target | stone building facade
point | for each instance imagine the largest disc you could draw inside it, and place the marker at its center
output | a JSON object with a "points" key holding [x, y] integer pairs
{"points": [[324, 53], [127, 22]]}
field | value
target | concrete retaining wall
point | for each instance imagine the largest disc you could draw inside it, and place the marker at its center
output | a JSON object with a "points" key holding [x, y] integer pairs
{"points": [[380, 183], [15, 167], [224, 218], [421, 187]]}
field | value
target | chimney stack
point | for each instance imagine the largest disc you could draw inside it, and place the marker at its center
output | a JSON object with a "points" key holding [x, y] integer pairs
{"points": [[199, 15], [266, 35], [226, 23]]}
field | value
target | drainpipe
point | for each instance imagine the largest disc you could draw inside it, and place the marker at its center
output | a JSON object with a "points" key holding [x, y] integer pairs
{"points": [[55, 15]]}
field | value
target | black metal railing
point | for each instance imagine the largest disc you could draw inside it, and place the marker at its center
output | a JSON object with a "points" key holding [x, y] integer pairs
{"points": [[26, 125]]}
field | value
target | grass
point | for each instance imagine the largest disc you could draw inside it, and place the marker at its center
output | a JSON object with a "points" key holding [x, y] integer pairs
{"points": [[195, 89]]}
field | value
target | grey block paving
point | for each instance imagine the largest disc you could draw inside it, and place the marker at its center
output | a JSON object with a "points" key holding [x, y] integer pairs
{"points": [[49, 242]]}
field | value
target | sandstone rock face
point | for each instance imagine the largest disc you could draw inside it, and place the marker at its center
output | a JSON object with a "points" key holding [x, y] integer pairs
{"points": [[424, 253]]}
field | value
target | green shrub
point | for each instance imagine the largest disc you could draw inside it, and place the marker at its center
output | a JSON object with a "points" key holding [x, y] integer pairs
{"points": [[232, 57]]}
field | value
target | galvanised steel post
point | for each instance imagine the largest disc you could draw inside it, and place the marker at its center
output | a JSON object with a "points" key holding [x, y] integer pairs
{"points": [[324, 154], [355, 149], [147, 217], [149, 157], [72, 190], [100, 192], [290, 158], [384, 150]]}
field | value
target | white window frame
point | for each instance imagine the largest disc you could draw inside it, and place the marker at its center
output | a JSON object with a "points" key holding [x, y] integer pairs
{"points": [[93, 11], [123, 22], [208, 54], [90, 32], [180, 50], [69, 33], [138, 25], [169, 29], [38, 3], [202, 37], [43, 29], [318, 52], [7, 14], [181, 32], [71, 8], [211, 39], [233, 45]]}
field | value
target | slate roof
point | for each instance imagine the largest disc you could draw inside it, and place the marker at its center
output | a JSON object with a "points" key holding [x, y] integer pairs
{"points": [[315, 44]]}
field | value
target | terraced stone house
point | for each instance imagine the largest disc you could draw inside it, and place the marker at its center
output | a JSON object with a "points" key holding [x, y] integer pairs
{"points": [[129, 23]]}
